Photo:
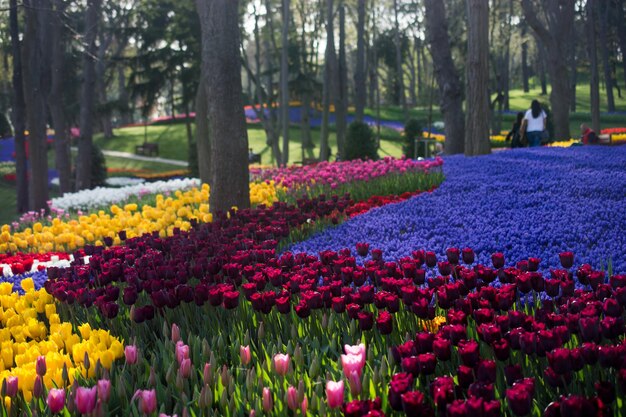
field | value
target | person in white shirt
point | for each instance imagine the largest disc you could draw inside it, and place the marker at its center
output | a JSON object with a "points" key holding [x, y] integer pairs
{"points": [[534, 124]]}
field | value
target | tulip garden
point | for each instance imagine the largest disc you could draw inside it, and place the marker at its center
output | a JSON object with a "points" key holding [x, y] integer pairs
{"points": [[490, 286]]}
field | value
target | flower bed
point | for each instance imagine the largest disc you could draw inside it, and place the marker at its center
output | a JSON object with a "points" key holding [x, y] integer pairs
{"points": [[524, 203]]}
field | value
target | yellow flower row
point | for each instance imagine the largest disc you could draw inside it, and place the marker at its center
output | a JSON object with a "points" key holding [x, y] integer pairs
{"points": [[24, 337], [167, 214]]}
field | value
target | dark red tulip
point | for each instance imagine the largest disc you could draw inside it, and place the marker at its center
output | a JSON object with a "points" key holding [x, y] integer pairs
{"points": [[377, 254], [553, 409], [555, 379], [468, 256], [400, 383], [283, 305], [533, 264], [560, 360], [513, 373], [567, 259], [453, 255], [418, 256], [431, 259], [130, 296], [339, 304], [231, 299], [520, 399], [465, 375], [414, 404], [457, 408], [302, 309], [109, 310], [481, 390], [442, 391], [497, 259], [590, 329], [501, 349], [424, 342], [491, 408], [606, 391], [366, 320], [442, 348], [427, 363], [411, 365], [576, 406], [384, 322], [486, 371], [469, 352], [362, 248], [445, 268]]}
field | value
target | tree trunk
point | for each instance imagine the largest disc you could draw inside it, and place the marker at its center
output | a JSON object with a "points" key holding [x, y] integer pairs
{"points": [[477, 64], [341, 106], [554, 34], [525, 69], [36, 81], [399, 71], [621, 32], [221, 64], [274, 131], [203, 140], [87, 99], [604, 9], [284, 82], [594, 81], [359, 75], [62, 155], [123, 99], [19, 113], [418, 56], [450, 89], [327, 93], [541, 68]]}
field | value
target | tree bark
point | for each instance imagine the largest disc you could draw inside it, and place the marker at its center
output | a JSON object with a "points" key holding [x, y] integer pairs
{"points": [[284, 82], [328, 87], [477, 64], [203, 140], [603, 11], [359, 75], [594, 81], [19, 112], [87, 99], [621, 32], [36, 81], [554, 33], [525, 69], [62, 155], [123, 99], [399, 71], [450, 89], [341, 106], [274, 134], [221, 65]]}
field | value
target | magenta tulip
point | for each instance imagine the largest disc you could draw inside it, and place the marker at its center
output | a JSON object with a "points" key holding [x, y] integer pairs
{"points": [[56, 400], [147, 401], [292, 398], [104, 390], [41, 366], [130, 352], [11, 386], [267, 400], [85, 399]]}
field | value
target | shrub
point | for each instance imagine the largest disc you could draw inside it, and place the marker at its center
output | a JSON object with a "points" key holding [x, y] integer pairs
{"points": [[98, 167], [360, 142], [412, 130]]}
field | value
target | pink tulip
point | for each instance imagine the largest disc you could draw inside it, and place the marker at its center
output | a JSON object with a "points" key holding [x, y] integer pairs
{"points": [[358, 350], [104, 390], [352, 363], [175, 333], [185, 368], [85, 399], [355, 383], [245, 355], [130, 352], [334, 393], [304, 406], [281, 363], [147, 400], [207, 374], [182, 351], [166, 415], [292, 398], [11, 389], [56, 400], [41, 366], [267, 400]]}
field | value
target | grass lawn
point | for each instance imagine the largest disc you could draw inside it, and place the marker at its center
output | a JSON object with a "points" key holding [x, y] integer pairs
{"points": [[8, 208]]}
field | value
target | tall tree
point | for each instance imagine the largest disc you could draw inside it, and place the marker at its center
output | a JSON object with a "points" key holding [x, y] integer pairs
{"points": [[36, 79], [594, 82], [284, 81], [203, 140], [87, 96], [450, 89], [477, 64], [56, 104], [554, 31], [525, 69], [221, 69], [399, 71], [19, 112], [621, 32], [359, 74], [328, 87], [341, 105], [604, 10]]}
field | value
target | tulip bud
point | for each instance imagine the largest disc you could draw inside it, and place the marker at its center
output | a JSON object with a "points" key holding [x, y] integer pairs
{"points": [[292, 398], [224, 399], [206, 349], [207, 374], [152, 381], [314, 369], [245, 355], [41, 366], [180, 382], [246, 338], [10, 386], [38, 387], [355, 383], [231, 386], [300, 391], [185, 368], [252, 413], [304, 405], [120, 387], [86, 361], [130, 353], [147, 401], [175, 333], [261, 331], [65, 375], [104, 390], [298, 357], [267, 400], [185, 412]]}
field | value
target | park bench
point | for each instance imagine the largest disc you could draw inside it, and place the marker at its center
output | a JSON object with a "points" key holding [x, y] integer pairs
{"points": [[147, 149]]}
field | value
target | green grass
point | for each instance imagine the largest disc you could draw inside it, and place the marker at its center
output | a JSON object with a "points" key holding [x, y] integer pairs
{"points": [[8, 209]]}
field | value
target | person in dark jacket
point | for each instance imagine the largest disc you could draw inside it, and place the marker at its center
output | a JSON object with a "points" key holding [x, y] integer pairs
{"points": [[515, 135]]}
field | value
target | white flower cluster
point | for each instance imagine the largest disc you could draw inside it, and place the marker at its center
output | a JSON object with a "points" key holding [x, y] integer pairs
{"points": [[102, 196], [123, 181]]}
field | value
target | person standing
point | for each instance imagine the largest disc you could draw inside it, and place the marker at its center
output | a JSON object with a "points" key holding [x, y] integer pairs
{"points": [[534, 124]]}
